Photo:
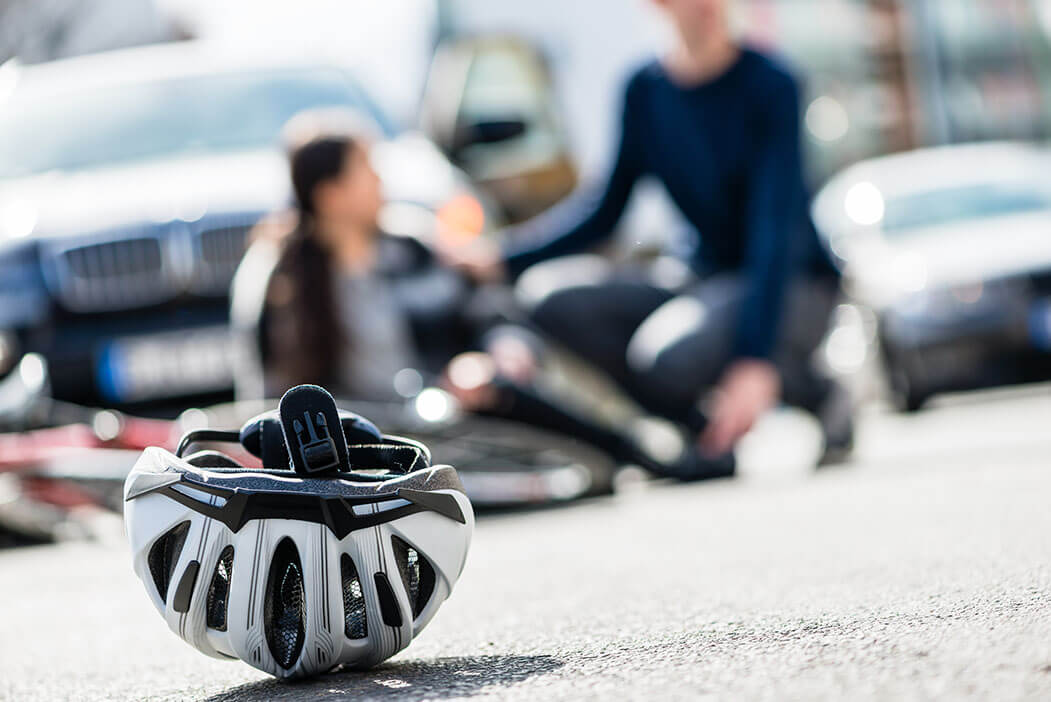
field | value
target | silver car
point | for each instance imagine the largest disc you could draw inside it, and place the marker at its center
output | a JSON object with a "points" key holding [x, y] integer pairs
{"points": [[950, 249]]}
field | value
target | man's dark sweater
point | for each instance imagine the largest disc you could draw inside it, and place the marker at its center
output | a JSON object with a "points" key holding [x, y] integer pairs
{"points": [[728, 153]]}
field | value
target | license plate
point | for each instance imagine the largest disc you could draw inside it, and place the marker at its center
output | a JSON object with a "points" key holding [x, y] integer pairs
{"points": [[168, 364]]}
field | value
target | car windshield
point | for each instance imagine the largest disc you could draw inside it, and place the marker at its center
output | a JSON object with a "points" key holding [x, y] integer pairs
{"points": [[940, 207], [165, 118]]}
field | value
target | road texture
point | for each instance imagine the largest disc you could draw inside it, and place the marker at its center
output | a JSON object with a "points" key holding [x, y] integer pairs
{"points": [[923, 571]]}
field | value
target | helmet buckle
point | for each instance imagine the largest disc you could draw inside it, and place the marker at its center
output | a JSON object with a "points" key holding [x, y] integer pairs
{"points": [[313, 431], [317, 448]]}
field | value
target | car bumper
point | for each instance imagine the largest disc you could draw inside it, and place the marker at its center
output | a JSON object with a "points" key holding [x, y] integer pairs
{"points": [[141, 358], [1001, 345]]}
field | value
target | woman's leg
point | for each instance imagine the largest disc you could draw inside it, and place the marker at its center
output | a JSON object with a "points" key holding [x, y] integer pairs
{"points": [[536, 408]]}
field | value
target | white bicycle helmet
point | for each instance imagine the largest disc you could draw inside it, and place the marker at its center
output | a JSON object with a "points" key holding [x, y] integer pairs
{"points": [[329, 554]]}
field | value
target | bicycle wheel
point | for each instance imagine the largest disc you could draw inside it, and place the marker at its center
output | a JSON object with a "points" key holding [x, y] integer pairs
{"points": [[503, 463]]}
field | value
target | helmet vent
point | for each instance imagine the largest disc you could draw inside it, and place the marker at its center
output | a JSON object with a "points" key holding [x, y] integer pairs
{"points": [[284, 608], [417, 574], [163, 556], [355, 625], [219, 590]]}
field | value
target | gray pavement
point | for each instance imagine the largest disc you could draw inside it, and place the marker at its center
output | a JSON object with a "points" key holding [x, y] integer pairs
{"points": [[924, 571]]}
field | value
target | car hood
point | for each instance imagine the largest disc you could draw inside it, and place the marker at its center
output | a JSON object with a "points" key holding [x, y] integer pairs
{"points": [[62, 204], [186, 188], [995, 248], [943, 257]]}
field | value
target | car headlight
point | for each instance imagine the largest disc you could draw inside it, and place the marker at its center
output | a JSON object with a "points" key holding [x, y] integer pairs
{"points": [[18, 218]]}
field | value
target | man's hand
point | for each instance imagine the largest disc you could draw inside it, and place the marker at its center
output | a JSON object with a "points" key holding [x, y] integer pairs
{"points": [[479, 259], [749, 388]]}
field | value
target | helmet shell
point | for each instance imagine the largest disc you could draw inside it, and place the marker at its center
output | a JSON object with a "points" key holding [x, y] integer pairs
{"points": [[294, 598]]}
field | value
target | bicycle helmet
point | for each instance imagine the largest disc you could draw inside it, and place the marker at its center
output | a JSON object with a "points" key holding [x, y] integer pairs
{"points": [[339, 550]]}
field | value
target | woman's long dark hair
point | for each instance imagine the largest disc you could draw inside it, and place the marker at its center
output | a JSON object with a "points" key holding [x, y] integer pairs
{"points": [[303, 342]]}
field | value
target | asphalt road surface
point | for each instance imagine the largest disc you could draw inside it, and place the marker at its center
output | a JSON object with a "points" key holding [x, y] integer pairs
{"points": [[922, 571]]}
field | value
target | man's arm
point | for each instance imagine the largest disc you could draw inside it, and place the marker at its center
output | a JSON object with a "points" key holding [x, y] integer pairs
{"points": [[775, 200], [590, 215], [751, 384]]}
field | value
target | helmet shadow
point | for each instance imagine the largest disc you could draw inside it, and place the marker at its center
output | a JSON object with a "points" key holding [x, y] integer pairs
{"points": [[438, 678]]}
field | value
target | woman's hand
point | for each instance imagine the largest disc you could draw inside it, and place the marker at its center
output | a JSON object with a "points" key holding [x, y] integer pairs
{"points": [[749, 388], [469, 378], [480, 259], [514, 358]]}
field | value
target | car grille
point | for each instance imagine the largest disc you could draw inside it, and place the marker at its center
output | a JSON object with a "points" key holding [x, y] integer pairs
{"points": [[133, 269], [220, 248], [110, 275], [115, 259]]}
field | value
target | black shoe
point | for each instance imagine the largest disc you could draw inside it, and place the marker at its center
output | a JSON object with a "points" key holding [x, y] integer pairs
{"points": [[836, 416], [693, 467]]}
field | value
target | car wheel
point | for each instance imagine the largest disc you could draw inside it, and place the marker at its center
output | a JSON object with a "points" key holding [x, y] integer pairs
{"points": [[914, 402], [906, 395]]}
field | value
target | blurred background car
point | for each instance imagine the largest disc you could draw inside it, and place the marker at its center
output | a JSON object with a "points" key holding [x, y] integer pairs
{"points": [[37, 31], [129, 183], [951, 249], [489, 104]]}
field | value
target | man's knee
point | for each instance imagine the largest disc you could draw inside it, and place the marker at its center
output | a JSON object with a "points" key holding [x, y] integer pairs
{"points": [[539, 283], [680, 349]]}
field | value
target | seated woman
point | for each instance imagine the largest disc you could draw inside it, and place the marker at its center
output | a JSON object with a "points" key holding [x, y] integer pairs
{"points": [[330, 299]]}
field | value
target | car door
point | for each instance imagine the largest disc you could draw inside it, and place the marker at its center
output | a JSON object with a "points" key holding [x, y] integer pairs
{"points": [[489, 105]]}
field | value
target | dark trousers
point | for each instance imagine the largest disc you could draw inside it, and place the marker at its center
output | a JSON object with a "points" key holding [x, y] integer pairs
{"points": [[666, 346]]}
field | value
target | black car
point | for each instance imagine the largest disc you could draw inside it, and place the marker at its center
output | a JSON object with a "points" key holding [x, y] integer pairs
{"points": [[128, 183]]}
